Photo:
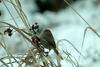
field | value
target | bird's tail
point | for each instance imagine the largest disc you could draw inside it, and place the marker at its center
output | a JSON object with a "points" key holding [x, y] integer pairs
{"points": [[58, 54]]}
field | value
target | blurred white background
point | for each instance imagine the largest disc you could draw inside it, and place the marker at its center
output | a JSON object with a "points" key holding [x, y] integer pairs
{"points": [[64, 24]]}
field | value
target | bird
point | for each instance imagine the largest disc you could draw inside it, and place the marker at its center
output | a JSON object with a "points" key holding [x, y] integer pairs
{"points": [[47, 40]]}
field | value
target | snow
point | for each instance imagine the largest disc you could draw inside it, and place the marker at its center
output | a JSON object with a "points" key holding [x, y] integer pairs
{"points": [[68, 25]]}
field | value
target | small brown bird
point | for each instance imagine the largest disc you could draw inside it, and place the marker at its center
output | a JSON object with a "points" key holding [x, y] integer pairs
{"points": [[47, 40]]}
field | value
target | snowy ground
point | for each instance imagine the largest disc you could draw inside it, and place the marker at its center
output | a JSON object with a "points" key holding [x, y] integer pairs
{"points": [[66, 24]]}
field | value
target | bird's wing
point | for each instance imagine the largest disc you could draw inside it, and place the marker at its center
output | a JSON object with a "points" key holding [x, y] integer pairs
{"points": [[47, 35]]}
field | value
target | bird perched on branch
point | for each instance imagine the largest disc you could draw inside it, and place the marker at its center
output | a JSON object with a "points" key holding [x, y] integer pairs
{"points": [[46, 40]]}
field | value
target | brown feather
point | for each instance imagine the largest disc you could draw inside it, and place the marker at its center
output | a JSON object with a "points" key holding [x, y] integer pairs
{"points": [[47, 35]]}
